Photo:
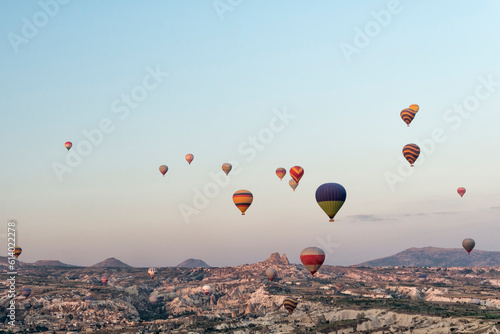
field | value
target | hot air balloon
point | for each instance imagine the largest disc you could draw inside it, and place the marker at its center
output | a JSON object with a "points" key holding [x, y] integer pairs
{"points": [[461, 191], [339, 286], [411, 153], [226, 167], [422, 278], [104, 280], [468, 244], [163, 169], [68, 145], [26, 292], [189, 158], [243, 199], [293, 184], [407, 115], [290, 304], [414, 107], [207, 289], [281, 172], [312, 258], [17, 251], [330, 197], [152, 272], [153, 299], [296, 172], [271, 273], [88, 300]]}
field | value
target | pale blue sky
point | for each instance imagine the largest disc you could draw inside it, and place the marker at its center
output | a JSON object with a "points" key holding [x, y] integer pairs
{"points": [[228, 75]]}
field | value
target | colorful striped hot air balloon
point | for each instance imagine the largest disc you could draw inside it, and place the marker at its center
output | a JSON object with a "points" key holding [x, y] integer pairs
{"points": [[281, 172], [312, 258], [468, 244], [271, 273], [290, 304], [68, 145], [461, 191], [407, 115], [189, 158], [17, 251], [243, 198], [293, 184], [296, 172], [152, 272], [163, 169], [411, 153], [414, 107], [207, 289], [226, 167], [331, 197]]}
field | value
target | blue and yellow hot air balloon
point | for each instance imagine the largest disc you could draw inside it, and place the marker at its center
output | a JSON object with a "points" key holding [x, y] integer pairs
{"points": [[331, 197]]}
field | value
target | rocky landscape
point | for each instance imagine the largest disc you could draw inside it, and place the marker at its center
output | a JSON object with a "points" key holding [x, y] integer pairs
{"points": [[337, 300]]}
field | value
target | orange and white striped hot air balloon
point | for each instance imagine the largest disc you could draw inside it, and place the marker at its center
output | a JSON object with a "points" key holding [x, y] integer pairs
{"points": [[242, 199], [296, 172], [189, 158]]}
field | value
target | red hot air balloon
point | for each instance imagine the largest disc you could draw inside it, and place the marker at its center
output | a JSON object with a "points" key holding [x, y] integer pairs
{"points": [[68, 145], [461, 191], [312, 258], [189, 158], [104, 280], [296, 172], [411, 153], [281, 172], [163, 169]]}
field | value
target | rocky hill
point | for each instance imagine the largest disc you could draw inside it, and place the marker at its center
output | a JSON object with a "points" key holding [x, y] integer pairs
{"points": [[275, 259], [193, 263], [437, 257], [52, 263], [111, 263]]}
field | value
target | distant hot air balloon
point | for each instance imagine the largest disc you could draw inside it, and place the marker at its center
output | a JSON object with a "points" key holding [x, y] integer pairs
{"points": [[339, 286], [17, 251], [271, 273], [26, 292], [461, 191], [290, 304], [243, 199], [226, 167], [163, 169], [293, 184], [104, 280], [407, 115], [312, 258], [153, 299], [414, 107], [281, 172], [152, 272], [331, 197], [411, 153], [207, 289], [468, 244], [422, 278], [296, 172], [189, 158], [68, 145], [88, 300]]}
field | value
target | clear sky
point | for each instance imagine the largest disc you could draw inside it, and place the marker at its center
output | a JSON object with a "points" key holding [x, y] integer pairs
{"points": [[261, 84]]}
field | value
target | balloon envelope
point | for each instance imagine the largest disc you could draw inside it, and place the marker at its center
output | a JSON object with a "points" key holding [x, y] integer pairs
{"points": [[153, 299], [68, 145], [293, 184], [271, 273], [163, 169], [290, 304], [281, 172], [226, 167], [461, 191], [411, 153], [243, 199], [152, 272], [407, 115], [422, 278], [189, 158], [26, 292], [104, 280], [17, 251], [207, 289], [312, 258], [414, 107], [331, 197], [296, 172], [468, 244]]}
